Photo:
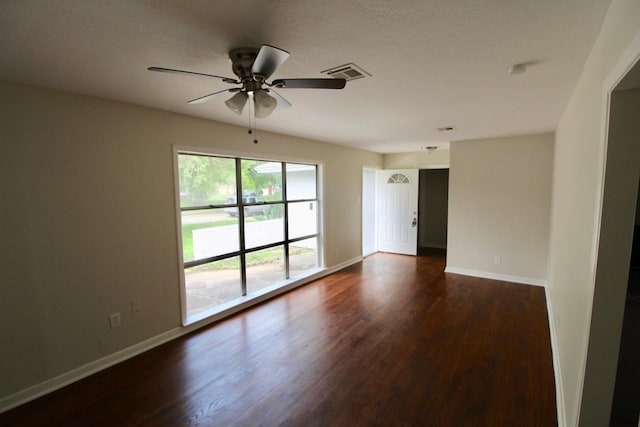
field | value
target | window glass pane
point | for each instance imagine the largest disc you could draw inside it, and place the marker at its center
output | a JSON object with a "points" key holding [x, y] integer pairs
{"points": [[210, 285], [398, 178], [264, 227], [301, 181], [303, 219], [303, 256], [265, 268], [262, 180], [205, 180], [208, 185], [209, 232]]}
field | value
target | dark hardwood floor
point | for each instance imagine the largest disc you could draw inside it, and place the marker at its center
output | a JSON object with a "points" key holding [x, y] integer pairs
{"points": [[391, 341]]}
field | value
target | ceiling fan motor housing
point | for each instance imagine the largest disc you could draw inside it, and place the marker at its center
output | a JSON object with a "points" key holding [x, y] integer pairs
{"points": [[242, 60]]}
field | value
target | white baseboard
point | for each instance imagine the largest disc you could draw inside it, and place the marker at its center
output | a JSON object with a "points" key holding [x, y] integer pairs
{"points": [[343, 265], [495, 276], [562, 421], [62, 380], [76, 374]]}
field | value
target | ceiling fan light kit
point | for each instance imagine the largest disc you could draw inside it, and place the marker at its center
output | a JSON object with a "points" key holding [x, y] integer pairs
{"points": [[237, 102], [254, 67], [263, 103]]}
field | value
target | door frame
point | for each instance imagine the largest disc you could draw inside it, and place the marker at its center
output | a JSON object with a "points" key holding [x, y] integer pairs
{"points": [[421, 213], [415, 177], [369, 205], [604, 320]]}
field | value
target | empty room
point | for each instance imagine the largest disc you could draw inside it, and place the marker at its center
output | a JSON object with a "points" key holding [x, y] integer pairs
{"points": [[243, 213]]}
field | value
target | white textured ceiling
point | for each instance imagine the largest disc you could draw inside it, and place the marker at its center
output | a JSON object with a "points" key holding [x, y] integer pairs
{"points": [[433, 63]]}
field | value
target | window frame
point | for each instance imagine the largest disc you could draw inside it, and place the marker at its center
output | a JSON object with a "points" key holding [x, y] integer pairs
{"points": [[247, 300]]}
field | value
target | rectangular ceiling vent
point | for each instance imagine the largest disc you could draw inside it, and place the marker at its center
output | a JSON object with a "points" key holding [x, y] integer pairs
{"points": [[347, 71]]}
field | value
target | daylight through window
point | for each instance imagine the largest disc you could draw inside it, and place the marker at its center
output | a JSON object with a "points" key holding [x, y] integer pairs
{"points": [[236, 246]]}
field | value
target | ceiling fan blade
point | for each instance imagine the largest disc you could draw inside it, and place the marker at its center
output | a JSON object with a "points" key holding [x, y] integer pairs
{"points": [[282, 102], [309, 83], [192, 73], [268, 60], [211, 96]]}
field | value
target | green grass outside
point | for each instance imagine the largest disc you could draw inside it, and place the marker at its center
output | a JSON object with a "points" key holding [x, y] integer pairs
{"points": [[266, 256]]}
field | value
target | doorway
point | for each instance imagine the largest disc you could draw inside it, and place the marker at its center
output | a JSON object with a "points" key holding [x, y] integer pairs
{"points": [[433, 210], [621, 170], [398, 211], [626, 407], [405, 211]]}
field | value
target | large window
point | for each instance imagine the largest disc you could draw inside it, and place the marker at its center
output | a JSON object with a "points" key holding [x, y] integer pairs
{"points": [[247, 227]]}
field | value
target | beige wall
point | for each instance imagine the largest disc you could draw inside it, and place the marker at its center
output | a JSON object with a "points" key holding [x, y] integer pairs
{"points": [[418, 160], [89, 222], [577, 176], [499, 195]]}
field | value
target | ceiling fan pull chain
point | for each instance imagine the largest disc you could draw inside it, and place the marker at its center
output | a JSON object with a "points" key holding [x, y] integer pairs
{"points": [[252, 127], [255, 131], [255, 127]]}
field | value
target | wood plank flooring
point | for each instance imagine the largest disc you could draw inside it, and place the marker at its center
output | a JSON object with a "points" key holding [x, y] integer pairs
{"points": [[391, 341]]}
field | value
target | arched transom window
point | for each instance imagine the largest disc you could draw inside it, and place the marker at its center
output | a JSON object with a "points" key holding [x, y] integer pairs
{"points": [[398, 178]]}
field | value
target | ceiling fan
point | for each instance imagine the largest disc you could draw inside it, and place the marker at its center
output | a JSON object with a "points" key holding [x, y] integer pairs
{"points": [[253, 67]]}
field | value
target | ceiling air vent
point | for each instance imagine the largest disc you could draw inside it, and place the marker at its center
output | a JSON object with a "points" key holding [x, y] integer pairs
{"points": [[347, 71]]}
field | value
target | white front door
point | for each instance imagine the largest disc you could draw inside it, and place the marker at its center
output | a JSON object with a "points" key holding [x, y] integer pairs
{"points": [[398, 211]]}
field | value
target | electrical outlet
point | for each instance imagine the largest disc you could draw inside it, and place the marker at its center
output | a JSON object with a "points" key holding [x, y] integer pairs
{"points": [[114, 320], [136, 305], [498, 259]]}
